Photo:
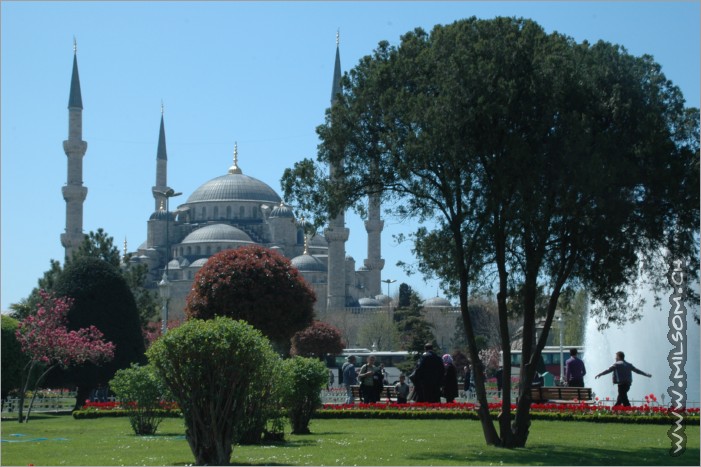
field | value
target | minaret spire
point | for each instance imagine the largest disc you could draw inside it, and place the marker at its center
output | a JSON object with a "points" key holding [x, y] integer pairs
{"points": [[161, 165], [337, 233], [74, 193]]}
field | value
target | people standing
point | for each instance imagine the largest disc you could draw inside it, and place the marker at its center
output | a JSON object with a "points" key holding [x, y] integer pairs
{"points": [[350, 378], [623, 377], [450, 379], [402, 390], [428, 376], [367, 381], [574, 370], [468, 378]]}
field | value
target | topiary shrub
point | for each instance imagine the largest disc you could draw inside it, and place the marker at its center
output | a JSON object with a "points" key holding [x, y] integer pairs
{"points": [[141, 391], [257, 285], [210, 367], [304, 380], [317, 340]]}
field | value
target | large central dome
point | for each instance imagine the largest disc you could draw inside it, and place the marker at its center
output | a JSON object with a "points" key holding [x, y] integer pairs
{"points": [[234, 187]]}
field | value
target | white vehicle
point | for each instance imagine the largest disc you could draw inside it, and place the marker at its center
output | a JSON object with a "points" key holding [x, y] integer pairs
{"points": [[388, 358]]}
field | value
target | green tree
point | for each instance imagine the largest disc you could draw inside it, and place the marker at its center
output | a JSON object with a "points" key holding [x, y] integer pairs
{"points": [[304, 380], [102, 299], [210, 367], [379, 330], [13, 360], [257, 285], [414, 330], [404, 295], [141, 391], [540, 160]]}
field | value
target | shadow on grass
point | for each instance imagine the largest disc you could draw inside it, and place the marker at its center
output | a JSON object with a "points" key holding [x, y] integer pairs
{"points": [[584, 456]]}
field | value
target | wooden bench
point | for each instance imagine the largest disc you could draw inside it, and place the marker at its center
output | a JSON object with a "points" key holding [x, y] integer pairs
{"points": [[388, 392], [562, 393]]}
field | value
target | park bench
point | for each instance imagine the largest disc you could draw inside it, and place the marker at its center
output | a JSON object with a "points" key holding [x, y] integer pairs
{"points": [[560, 393], [388, 392]]}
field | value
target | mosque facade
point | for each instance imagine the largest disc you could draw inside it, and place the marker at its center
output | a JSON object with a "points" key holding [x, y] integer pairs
{"points": [[231, 210]]}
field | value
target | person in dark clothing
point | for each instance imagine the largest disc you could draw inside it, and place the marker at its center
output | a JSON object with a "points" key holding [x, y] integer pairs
{"points": [[498, 375], [428, 376], [450, 379], [623, 377], [574, 370]]}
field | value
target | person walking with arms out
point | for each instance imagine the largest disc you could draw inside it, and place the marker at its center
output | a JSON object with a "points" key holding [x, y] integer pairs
{"points": [[574, 370], [623, 377]]}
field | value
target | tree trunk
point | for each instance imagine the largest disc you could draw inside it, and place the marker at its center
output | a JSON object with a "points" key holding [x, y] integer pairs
{"points": [[81, 396]]}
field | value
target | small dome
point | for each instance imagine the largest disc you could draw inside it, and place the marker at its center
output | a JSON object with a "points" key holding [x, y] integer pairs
{"points": [[162, 215], [308, 263], [199, 263], [217, 233], [318, 240], [436, 302], [282, 210], [173, 264], [384, 299], [369, 302]]}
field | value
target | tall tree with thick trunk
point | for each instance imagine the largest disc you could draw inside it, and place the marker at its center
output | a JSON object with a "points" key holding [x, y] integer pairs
{"points": [[543, 164]]}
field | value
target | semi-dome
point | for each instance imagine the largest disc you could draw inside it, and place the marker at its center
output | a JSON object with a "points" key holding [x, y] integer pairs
{"points": [[199, 263], [217, 233], [437, 302], [162, 215], [234, 187], [308, 263]]}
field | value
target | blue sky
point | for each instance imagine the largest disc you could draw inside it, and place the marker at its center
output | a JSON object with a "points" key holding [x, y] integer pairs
{"points": [[256, 73]]}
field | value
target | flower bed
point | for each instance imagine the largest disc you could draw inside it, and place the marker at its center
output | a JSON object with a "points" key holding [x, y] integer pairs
{"points": [[650, 412], [121, 409]]}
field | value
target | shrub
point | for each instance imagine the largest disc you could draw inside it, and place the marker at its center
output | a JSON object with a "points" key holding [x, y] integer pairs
{"points": [[304, 380], [257, 285], [141, 392], [263, 403], [317, 340], [210, 367]]}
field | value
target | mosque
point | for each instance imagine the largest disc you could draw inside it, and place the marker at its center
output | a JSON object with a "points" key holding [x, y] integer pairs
{"points": [[231, 210]]}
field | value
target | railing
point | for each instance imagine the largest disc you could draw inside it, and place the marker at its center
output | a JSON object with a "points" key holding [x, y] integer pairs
{"points": [[43, 403]]}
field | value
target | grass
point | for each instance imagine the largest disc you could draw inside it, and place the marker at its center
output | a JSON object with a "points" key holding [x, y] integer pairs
{"points": [[110, 441]]}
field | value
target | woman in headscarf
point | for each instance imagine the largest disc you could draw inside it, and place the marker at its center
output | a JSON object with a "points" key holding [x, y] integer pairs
{"points": [[450, 381]]}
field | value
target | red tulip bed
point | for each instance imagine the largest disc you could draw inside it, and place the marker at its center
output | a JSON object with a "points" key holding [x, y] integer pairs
{"points": [[599, 411]]}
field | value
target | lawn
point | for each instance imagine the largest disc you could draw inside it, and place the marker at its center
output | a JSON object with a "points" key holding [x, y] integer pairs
{"points": [[61, 440]]}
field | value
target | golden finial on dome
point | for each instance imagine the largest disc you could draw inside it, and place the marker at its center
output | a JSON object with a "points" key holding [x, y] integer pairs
{"points": [[234, 169], [161, 207], [306, 245]]}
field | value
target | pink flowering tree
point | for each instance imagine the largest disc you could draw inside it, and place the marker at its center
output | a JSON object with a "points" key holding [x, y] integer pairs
{"points": [[45, 338]]}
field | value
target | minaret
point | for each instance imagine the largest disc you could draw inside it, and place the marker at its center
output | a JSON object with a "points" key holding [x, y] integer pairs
{"points": [[74, 192], [374, 262], [337, 233], [161, 168]]}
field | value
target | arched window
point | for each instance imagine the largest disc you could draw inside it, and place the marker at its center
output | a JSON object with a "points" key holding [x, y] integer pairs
{"points": [[228, 212], [197, 250], [242, 212], [189, 251], [209, 250], [216, 212], [204, 212]]}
